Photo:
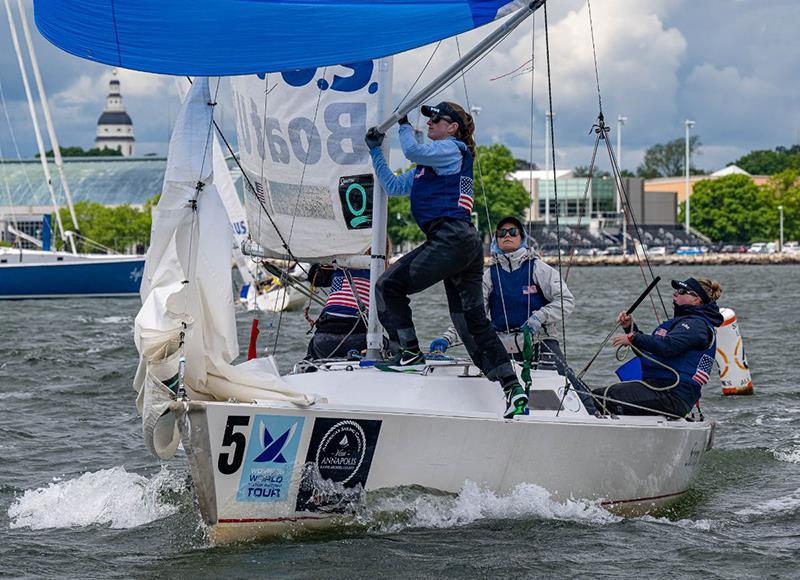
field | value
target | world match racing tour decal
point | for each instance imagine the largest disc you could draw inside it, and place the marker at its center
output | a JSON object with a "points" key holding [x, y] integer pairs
{"points": [[267, 473], [337, 464]]}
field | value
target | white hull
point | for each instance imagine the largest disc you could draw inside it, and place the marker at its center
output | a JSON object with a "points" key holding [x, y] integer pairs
{"points": [[385, 430], [276, 300]]}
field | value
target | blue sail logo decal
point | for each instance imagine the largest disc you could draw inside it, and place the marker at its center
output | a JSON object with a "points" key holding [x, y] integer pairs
{"points": [[271, 455]]}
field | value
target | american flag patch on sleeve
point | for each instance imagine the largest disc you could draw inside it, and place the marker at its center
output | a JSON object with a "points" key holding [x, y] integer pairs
{"points": [[701, 375]]}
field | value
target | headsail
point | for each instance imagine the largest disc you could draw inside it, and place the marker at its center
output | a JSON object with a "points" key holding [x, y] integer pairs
{"points": [[305, 160], [254, 36]]}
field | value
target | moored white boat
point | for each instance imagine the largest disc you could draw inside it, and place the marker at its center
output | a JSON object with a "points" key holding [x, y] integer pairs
{"points": [[276, 299]]}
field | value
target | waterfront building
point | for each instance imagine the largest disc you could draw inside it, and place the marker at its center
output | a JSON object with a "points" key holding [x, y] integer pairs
{"points": [[677, 184], [115, 127]]}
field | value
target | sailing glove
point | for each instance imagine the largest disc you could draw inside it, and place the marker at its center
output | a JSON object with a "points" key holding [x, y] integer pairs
{"points": [[439, 345], [403, 120], [534, 324], [374, 138]]}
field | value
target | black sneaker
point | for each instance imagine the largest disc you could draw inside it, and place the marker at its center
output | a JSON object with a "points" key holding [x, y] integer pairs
{"points": [[516, 401], [404, 361]]}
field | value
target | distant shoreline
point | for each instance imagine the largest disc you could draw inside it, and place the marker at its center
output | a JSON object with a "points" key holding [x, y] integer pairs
{"points": [[710, 259]]}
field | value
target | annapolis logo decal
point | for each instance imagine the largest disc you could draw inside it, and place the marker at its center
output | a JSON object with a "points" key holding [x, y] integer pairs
{"points": [[339, 459], [271, 455]]}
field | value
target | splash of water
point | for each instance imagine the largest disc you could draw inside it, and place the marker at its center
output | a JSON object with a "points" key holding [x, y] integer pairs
{"points": [[789, 456], [782, 505], [402, 510], [110, 497]]}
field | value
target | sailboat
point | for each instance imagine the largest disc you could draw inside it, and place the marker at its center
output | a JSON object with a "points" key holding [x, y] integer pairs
{"points": [[26, 273], [271, 452]]}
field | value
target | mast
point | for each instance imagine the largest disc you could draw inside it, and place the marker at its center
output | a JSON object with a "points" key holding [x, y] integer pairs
{"points": [[48, 120], [379, 198], [36, 131]]}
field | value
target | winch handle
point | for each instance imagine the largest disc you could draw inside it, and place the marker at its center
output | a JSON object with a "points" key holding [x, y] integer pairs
{"points": [[643, 295]]}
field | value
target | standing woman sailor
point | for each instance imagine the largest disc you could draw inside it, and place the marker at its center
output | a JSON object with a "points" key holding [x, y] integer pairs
{"points": [[441, 191]]}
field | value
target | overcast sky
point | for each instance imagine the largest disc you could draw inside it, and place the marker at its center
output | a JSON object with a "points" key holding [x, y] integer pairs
{"points": [[730, 65]]}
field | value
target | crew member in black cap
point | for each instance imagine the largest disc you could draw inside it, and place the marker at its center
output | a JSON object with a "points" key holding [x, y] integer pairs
{"points": [[441, 191], [676, 359]]}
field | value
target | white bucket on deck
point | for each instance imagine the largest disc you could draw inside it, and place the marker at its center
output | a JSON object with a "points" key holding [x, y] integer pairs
{"points": [[734, 372]]}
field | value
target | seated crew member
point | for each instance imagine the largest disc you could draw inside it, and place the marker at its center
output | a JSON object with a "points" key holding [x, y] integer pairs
{"points": [[520, 290], [685, 344], [342, 325], [441, 191]]}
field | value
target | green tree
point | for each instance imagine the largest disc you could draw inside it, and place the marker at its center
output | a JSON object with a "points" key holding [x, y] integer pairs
{"points": [[583, 171], [494, 189], [770, 162], [784, 189], [401, 226], [668, 159], [117, 228], [81, 152], [731, 209]]}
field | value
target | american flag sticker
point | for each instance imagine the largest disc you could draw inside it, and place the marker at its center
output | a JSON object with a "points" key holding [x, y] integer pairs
{"points": [[526, 290], [701, 375], [342, 294], [661, 332]]}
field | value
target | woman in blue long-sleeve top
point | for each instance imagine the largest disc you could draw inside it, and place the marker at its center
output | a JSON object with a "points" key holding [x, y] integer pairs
{"points": [[676, 358], [441, 191]]}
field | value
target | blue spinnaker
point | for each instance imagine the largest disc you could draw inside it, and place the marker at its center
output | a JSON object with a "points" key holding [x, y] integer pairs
{"points": [[233, 37]]}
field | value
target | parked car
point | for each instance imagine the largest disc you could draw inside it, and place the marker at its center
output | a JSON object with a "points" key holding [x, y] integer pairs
{"points": [[791, 248], [689, 251], [612, 251], [733, 249], [657, 251]]}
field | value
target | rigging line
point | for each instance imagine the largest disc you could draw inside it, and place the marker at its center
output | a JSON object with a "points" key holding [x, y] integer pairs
{"points": [[594, 53], [414, 84], [555, 188], [483, 192], [299, 195], [600, 135], [10, 201], [627, 211], [504, 75], [530, 149], [249, 184], [193, 202], [474, 64]]}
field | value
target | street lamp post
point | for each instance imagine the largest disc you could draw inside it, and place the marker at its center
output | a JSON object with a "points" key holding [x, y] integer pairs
{"points": [[620, 213], [688, 124], [547, 125], [780, 241]]}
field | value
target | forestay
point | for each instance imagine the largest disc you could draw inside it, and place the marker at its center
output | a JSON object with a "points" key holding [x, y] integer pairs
{"points": [[236, 37], [303, 152]]}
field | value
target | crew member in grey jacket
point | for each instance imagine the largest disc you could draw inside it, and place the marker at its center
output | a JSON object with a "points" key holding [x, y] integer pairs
{"points": [[520, 290]]}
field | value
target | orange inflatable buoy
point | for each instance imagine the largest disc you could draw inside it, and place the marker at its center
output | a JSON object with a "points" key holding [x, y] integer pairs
{"points": [[734, 372]]}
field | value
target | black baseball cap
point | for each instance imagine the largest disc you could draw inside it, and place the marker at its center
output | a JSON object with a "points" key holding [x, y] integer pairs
{"points": [[443, 109], [692, 285], [513, 221]]}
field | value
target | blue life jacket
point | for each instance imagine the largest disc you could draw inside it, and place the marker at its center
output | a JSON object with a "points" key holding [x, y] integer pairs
{"points": [[694, 366], [521, 296], [341, 300], [436, 196]]}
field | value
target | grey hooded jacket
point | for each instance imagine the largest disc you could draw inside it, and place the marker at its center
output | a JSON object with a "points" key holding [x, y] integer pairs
{"points": [[548, 280]]}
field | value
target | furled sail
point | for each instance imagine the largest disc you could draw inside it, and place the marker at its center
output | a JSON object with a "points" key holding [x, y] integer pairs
{"points": [[187, 306], [253, 36], [301, 143]]}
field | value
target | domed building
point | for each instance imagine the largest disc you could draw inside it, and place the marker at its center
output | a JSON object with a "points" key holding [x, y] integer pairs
{"points": [[115, 127]]}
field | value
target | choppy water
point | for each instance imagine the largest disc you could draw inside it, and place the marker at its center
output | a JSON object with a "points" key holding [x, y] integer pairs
{"points": [[80, 497]]}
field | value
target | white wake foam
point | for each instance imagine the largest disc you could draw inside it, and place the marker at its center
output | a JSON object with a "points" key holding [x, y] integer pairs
{"points": [[788, 455], [786, 504], [112, 497], [703, 525], [114, 319], [474, 503]]}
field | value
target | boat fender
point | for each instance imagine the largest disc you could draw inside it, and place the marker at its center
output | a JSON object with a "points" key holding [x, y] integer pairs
{"points": [[734, 371]]}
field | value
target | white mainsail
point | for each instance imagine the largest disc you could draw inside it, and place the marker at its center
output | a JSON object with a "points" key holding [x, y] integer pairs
{"points": [[187, 305], [301, 142]]}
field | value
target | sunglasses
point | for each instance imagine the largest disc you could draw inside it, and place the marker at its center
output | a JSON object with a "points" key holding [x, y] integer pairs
{"points": [[503, 232], [436, 118], [683, 291]]}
